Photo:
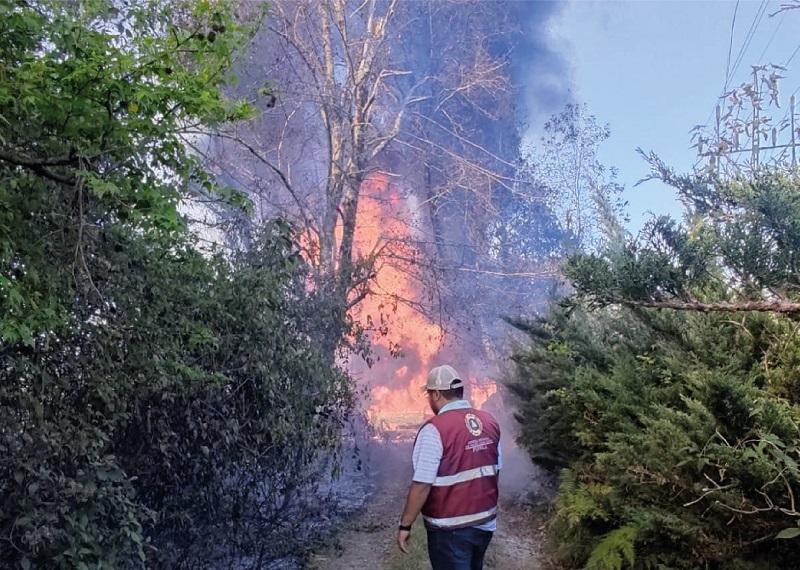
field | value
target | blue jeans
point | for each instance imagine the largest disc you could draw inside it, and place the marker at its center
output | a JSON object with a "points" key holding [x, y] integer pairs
{"points": [[457, 549]]}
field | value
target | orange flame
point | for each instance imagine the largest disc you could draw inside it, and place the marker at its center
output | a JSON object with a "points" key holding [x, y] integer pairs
{"points": [[480, 393], [405, 342], [386, 223]]}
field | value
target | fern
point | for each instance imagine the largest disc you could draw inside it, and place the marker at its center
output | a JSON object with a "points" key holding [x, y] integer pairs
{"points": [[579, 502], [614, 549]]}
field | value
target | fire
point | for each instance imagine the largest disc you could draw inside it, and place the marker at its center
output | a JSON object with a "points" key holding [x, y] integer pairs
{"points": [[385, 221], [406, 342], [479, 393]]}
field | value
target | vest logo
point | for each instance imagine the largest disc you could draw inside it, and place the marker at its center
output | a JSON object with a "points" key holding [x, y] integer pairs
{"points": [[474, 424]]}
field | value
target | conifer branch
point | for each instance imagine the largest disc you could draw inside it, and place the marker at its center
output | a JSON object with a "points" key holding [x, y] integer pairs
{"points": [[782, 307]]}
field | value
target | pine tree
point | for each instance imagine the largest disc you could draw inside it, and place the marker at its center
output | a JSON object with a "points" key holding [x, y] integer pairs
{"points": [[665, 386]]}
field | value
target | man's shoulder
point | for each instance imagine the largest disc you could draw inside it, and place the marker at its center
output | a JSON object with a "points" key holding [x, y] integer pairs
{"points": [[428, 440], [428, 430]]}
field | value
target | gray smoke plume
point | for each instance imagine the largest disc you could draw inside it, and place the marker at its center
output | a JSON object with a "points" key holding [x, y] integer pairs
{"points": [[543, 74]]}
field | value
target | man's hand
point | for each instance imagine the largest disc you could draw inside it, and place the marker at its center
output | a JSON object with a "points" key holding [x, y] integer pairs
{"points": [[417, 495], [403, 537]]}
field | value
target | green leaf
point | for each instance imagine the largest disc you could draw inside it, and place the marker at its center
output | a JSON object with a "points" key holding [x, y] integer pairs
{"points": [[787, 533]]}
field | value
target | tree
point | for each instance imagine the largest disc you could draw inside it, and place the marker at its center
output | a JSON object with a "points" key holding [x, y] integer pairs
{"points": [[159, 406], [674, 267], [492, 233], [367, 107], [581, 191], [664, 387], [336, 80], [83, 128]]}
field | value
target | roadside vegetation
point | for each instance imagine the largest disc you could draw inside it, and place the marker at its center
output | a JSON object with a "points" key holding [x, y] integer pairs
{"points": [[171, 388], [664, 387], [160, 405]]}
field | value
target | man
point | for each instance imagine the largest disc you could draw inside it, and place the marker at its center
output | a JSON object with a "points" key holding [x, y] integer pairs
{"points": [[456, 467]]}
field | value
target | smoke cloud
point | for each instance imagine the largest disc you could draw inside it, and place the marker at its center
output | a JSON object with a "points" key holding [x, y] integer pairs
{"points": [[539, 68]]}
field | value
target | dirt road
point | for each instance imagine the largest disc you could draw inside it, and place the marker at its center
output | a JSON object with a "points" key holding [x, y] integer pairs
{"points": [[367, 540]]}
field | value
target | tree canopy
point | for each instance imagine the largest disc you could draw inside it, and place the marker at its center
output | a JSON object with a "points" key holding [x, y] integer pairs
{"points": [[160, 406]]}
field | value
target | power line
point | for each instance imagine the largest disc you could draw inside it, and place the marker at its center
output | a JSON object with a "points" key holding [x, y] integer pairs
{"points": [[749, 37], [740, 54], [757, 123], [728, 65], [791, 57], [772, 38], [730, 48], [786, 64]]}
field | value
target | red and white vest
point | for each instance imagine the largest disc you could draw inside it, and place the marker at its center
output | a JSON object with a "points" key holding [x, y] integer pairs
{"points": [[465, 490]]}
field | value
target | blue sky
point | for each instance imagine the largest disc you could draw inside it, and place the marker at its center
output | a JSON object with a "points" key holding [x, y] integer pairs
{"points": [[654, 69]]}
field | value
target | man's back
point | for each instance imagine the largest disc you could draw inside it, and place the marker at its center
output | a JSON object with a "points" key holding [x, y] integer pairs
{"points": [[456, 459], [464, 490]]}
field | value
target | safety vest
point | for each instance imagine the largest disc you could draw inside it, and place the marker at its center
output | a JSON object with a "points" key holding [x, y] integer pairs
{"points": [[465, 490]]}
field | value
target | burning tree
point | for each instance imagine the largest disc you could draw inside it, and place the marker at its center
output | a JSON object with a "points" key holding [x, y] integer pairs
{"points": [[466, 139], [374, 107], [338, 107]]}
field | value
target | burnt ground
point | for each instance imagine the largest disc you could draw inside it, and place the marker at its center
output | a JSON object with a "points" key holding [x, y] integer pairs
{"points": [[366, 539]]}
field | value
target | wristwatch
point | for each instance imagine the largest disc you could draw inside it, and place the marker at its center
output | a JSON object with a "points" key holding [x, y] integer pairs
{"points": [[404, 527]]}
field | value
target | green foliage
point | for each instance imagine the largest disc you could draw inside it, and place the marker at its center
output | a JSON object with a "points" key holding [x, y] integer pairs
{"points": [[94, 102], [792, 532], [159, 407], [741, 236], [614, 551], [677, 431]]}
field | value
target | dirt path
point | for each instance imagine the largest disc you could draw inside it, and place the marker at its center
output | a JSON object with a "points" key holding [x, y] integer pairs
{"points": [[367, 540]]}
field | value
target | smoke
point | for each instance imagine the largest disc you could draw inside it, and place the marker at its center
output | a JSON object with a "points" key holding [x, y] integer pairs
{"points": [[405, 340], [415, 342], [539, 68]]}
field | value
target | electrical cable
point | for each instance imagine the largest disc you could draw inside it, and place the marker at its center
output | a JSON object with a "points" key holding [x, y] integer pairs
{"points": [[791, 57], [749, 37], [772, 38], [730, 47], [743, 49]]}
